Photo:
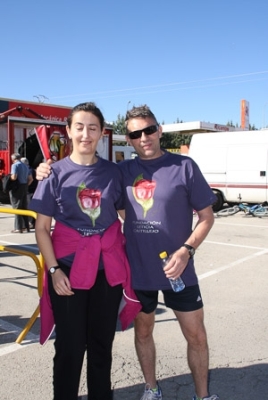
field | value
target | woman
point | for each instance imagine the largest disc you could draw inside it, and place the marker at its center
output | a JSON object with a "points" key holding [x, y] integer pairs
{"points": [[84, 256]]}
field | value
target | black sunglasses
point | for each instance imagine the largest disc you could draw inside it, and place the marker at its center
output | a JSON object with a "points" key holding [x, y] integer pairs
{"points": [[148, 131]]}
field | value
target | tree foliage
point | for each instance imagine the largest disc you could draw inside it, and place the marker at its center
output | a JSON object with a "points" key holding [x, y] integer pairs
{"points": [[174, 140], [119, 125], [119, 129], [251, 127], [168, 140]]}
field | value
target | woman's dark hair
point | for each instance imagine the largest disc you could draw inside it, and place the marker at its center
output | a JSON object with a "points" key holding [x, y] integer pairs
{"points": [[87, 107]]}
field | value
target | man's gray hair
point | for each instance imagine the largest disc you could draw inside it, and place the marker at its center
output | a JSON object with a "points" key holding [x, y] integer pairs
{"points": [[24, 160], [15, 156]]}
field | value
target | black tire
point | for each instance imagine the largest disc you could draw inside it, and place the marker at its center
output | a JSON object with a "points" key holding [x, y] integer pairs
{"points": [[217, 206]]}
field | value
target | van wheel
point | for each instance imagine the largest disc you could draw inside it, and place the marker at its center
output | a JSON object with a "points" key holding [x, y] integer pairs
{"points": [[217, 206]]}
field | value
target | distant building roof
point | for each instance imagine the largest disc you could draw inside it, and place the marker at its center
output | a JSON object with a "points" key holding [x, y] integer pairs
{"points": [[189, 128], [197, 127]]}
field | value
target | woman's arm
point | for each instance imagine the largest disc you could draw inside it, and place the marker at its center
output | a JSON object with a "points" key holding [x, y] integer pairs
{"points": [[60, 281]]}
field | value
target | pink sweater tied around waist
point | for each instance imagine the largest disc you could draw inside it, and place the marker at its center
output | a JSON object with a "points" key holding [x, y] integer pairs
{"points": [[88, 249]]}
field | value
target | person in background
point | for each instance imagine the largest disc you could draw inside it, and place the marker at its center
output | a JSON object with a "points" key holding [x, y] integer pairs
{"points": [[18, 196], [161, 191], [32, 184], [85, 258]]}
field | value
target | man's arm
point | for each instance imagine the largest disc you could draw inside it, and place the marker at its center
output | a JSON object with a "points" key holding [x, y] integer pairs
{"points": [[43, 170], [121, 214], [179, 259], [202, 227]]}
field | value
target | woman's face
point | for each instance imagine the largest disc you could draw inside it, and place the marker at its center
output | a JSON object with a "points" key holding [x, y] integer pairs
{"points": [[85, 132]]}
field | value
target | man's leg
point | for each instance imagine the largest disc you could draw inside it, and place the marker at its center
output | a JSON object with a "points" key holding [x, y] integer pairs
{"points": [[14, 201], [145, 347], [192, 326]]}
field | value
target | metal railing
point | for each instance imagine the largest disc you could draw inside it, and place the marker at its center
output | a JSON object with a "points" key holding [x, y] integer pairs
{"points": [[38, 260]]}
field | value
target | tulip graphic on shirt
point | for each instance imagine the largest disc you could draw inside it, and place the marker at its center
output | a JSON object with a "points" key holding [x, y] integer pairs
{"points": [[143, 191], [89, 201]]}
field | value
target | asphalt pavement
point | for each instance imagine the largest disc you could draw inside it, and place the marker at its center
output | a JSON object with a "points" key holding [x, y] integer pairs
{"points": [[232, 266]]}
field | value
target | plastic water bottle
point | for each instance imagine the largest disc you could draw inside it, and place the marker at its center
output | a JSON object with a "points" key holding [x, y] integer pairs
{"points": [[176, 284]]}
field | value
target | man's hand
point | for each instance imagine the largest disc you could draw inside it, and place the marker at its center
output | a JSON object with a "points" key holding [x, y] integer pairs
{"points": [[43, 170], [177, 263]]}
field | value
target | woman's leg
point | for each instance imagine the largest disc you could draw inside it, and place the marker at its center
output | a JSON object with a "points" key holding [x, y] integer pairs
{"points": [[104, 302], [70, 314]]}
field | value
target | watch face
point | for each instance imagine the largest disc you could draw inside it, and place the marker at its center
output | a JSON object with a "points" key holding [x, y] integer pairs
{"points": [[52, 270], [190, 249]]}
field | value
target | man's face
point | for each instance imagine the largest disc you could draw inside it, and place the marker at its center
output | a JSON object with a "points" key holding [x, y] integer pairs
{"points": [[147, 146]]}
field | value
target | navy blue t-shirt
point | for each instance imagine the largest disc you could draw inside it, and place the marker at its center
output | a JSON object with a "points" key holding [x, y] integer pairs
{"points": [[160, 196], [83, 197]]}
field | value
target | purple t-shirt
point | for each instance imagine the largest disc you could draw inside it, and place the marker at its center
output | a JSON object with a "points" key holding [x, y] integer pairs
{"points": [[83, 197], [160, 196]]}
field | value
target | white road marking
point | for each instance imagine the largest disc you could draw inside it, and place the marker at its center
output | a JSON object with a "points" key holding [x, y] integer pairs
{"points": [[237, 262], [242, 225], [236, 245]]}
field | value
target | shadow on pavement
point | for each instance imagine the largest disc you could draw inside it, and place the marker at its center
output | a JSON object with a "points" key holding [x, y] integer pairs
{"points": [[229, 383]]}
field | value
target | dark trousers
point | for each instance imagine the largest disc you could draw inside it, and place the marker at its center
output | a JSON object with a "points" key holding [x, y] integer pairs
{"points": [[18, 200], [85, 321]]}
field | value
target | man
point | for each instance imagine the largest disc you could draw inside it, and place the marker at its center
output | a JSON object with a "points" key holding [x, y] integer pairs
{"points": [[32, 184], [18, 196], [161, 191]]}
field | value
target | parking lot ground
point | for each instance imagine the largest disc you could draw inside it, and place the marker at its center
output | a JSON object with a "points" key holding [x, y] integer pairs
{"points": [[232, 266]]}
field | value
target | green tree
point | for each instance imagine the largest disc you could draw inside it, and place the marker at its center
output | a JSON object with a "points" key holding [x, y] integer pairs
{"points": [[174, 140], [119, 129], [119, 125], [251, 127]]}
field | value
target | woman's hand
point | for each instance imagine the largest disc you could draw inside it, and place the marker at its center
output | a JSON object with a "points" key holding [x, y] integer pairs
{"points": [[61, 283]]}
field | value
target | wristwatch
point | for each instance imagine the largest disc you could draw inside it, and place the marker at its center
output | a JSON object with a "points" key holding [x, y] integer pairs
{"points": [[52, 270], [190, 249]]}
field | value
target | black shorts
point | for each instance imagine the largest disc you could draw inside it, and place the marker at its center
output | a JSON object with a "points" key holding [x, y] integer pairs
{"points": [[189, 299]]}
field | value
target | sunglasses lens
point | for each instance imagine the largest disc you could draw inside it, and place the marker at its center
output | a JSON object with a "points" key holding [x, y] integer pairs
{"points": [[148, 131], [135, 135]]}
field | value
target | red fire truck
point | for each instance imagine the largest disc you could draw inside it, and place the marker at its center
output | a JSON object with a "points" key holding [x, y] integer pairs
{"points": [[25, 126]]}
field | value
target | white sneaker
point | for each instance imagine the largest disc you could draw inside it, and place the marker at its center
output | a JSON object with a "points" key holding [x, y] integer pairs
{"points": [[149, 394]]}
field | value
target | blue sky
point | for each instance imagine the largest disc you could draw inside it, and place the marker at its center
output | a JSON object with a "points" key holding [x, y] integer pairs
{"points": [[192, 60]]}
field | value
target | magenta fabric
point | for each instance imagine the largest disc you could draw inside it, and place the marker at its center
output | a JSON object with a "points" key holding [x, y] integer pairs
{"points": [[85, 268]]}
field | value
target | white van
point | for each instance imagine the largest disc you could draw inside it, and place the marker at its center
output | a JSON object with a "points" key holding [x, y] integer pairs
{"points": [[235, 164]]}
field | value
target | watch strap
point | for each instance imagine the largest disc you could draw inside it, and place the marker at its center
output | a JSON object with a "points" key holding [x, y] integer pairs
{"points": [[53, 269], [190, 249]]}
